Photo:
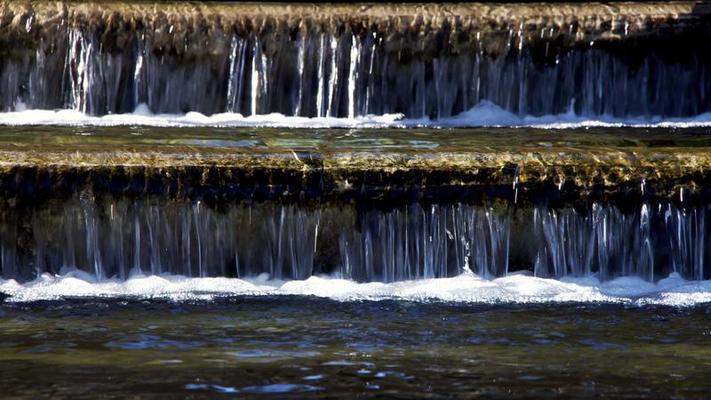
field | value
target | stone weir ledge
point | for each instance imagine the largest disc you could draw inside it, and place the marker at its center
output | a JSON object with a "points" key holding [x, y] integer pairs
{"points": [[373, 167], [199, 28]]}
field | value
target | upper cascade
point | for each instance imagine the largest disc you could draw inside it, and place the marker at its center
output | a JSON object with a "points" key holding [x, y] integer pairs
{"points": [[345, 60]]}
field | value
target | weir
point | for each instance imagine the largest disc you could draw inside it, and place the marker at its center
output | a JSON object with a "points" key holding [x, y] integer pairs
{"points": [[617, 59], [111, 238], [176, 184], [245, 202]]}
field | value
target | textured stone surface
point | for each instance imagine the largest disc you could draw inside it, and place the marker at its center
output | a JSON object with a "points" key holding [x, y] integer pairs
{"points": [[198, 29], [382, 166]]}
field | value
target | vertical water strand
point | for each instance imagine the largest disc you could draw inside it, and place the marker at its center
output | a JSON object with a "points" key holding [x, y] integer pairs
{"points": [[346, 271], [333, 79], [353, 76], [507, 233], [370, 84], [384, 233], [426, 247], [92, 232], [153, 220], [300, 61], [455, 234], [401, 271], [8, 244], [264, 97], [69, 253], [238, 50], [78, 58], [321, 107], [699, 243], [117, 224], [368, 255], [407, 267], [280, 240], [136, 245], [40, 91], [442, 242], [601, 223], [186, 245], [673, 223], [41, 241], [254, 83], [138, 72], [523, 82], [439, 90], [646, 258], [295, 258], [197, 222], [686, 231]]}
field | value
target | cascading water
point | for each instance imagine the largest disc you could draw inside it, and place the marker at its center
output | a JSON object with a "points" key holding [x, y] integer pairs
{"points": [[112, 238], [247, 60], [336, 200], [347, 69], [358, 80]]}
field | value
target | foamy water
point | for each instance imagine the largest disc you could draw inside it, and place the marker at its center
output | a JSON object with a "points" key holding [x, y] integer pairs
{"points": [[485, 114], [465, 288]]}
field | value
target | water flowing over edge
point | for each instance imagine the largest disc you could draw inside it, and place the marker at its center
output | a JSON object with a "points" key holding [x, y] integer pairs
{"points": [[485, 114], [465, 288]]}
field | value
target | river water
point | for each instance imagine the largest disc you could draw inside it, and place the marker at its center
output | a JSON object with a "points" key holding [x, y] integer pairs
{"points": [[306, 347]]}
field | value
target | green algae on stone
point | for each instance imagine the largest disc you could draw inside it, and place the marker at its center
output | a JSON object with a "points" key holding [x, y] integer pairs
{"points": [[459, 164]]}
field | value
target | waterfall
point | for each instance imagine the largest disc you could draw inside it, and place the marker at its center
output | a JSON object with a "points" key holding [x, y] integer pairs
{"points": [[238, 50], [323, 70], [114, 238]]}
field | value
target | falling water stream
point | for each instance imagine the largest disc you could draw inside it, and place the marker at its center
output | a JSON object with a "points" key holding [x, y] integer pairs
{"points": [[267, 200], [119, 238], [320, 74]]}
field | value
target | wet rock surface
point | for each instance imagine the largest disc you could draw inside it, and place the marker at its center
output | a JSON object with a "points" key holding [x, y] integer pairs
{"points": [[173, 24], [377, 167]]}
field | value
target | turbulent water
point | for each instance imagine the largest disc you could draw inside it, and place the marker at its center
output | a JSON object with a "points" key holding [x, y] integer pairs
{"points": [[484, 114], [466, 289]]}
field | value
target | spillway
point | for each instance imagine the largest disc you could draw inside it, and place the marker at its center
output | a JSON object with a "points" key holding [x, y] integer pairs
{"points": [[618, 59], [293, 204]]}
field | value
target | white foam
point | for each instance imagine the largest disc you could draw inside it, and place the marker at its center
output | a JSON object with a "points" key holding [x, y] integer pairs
{"points": [[489, 114], [143, 117], [485, 114], [465, 288]]}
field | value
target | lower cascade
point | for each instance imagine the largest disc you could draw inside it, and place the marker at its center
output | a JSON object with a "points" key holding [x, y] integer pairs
{"points": [[111, 238]]}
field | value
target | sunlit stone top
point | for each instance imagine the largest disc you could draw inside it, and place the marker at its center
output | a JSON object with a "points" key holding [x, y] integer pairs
{"points": [[420, 27]]}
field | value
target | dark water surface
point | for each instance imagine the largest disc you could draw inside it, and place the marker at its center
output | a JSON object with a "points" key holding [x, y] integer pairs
{"points": [[300, 347]]}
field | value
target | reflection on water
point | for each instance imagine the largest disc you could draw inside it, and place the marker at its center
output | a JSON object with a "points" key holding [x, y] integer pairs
{"points": [[299, 347], [492, 139]]}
